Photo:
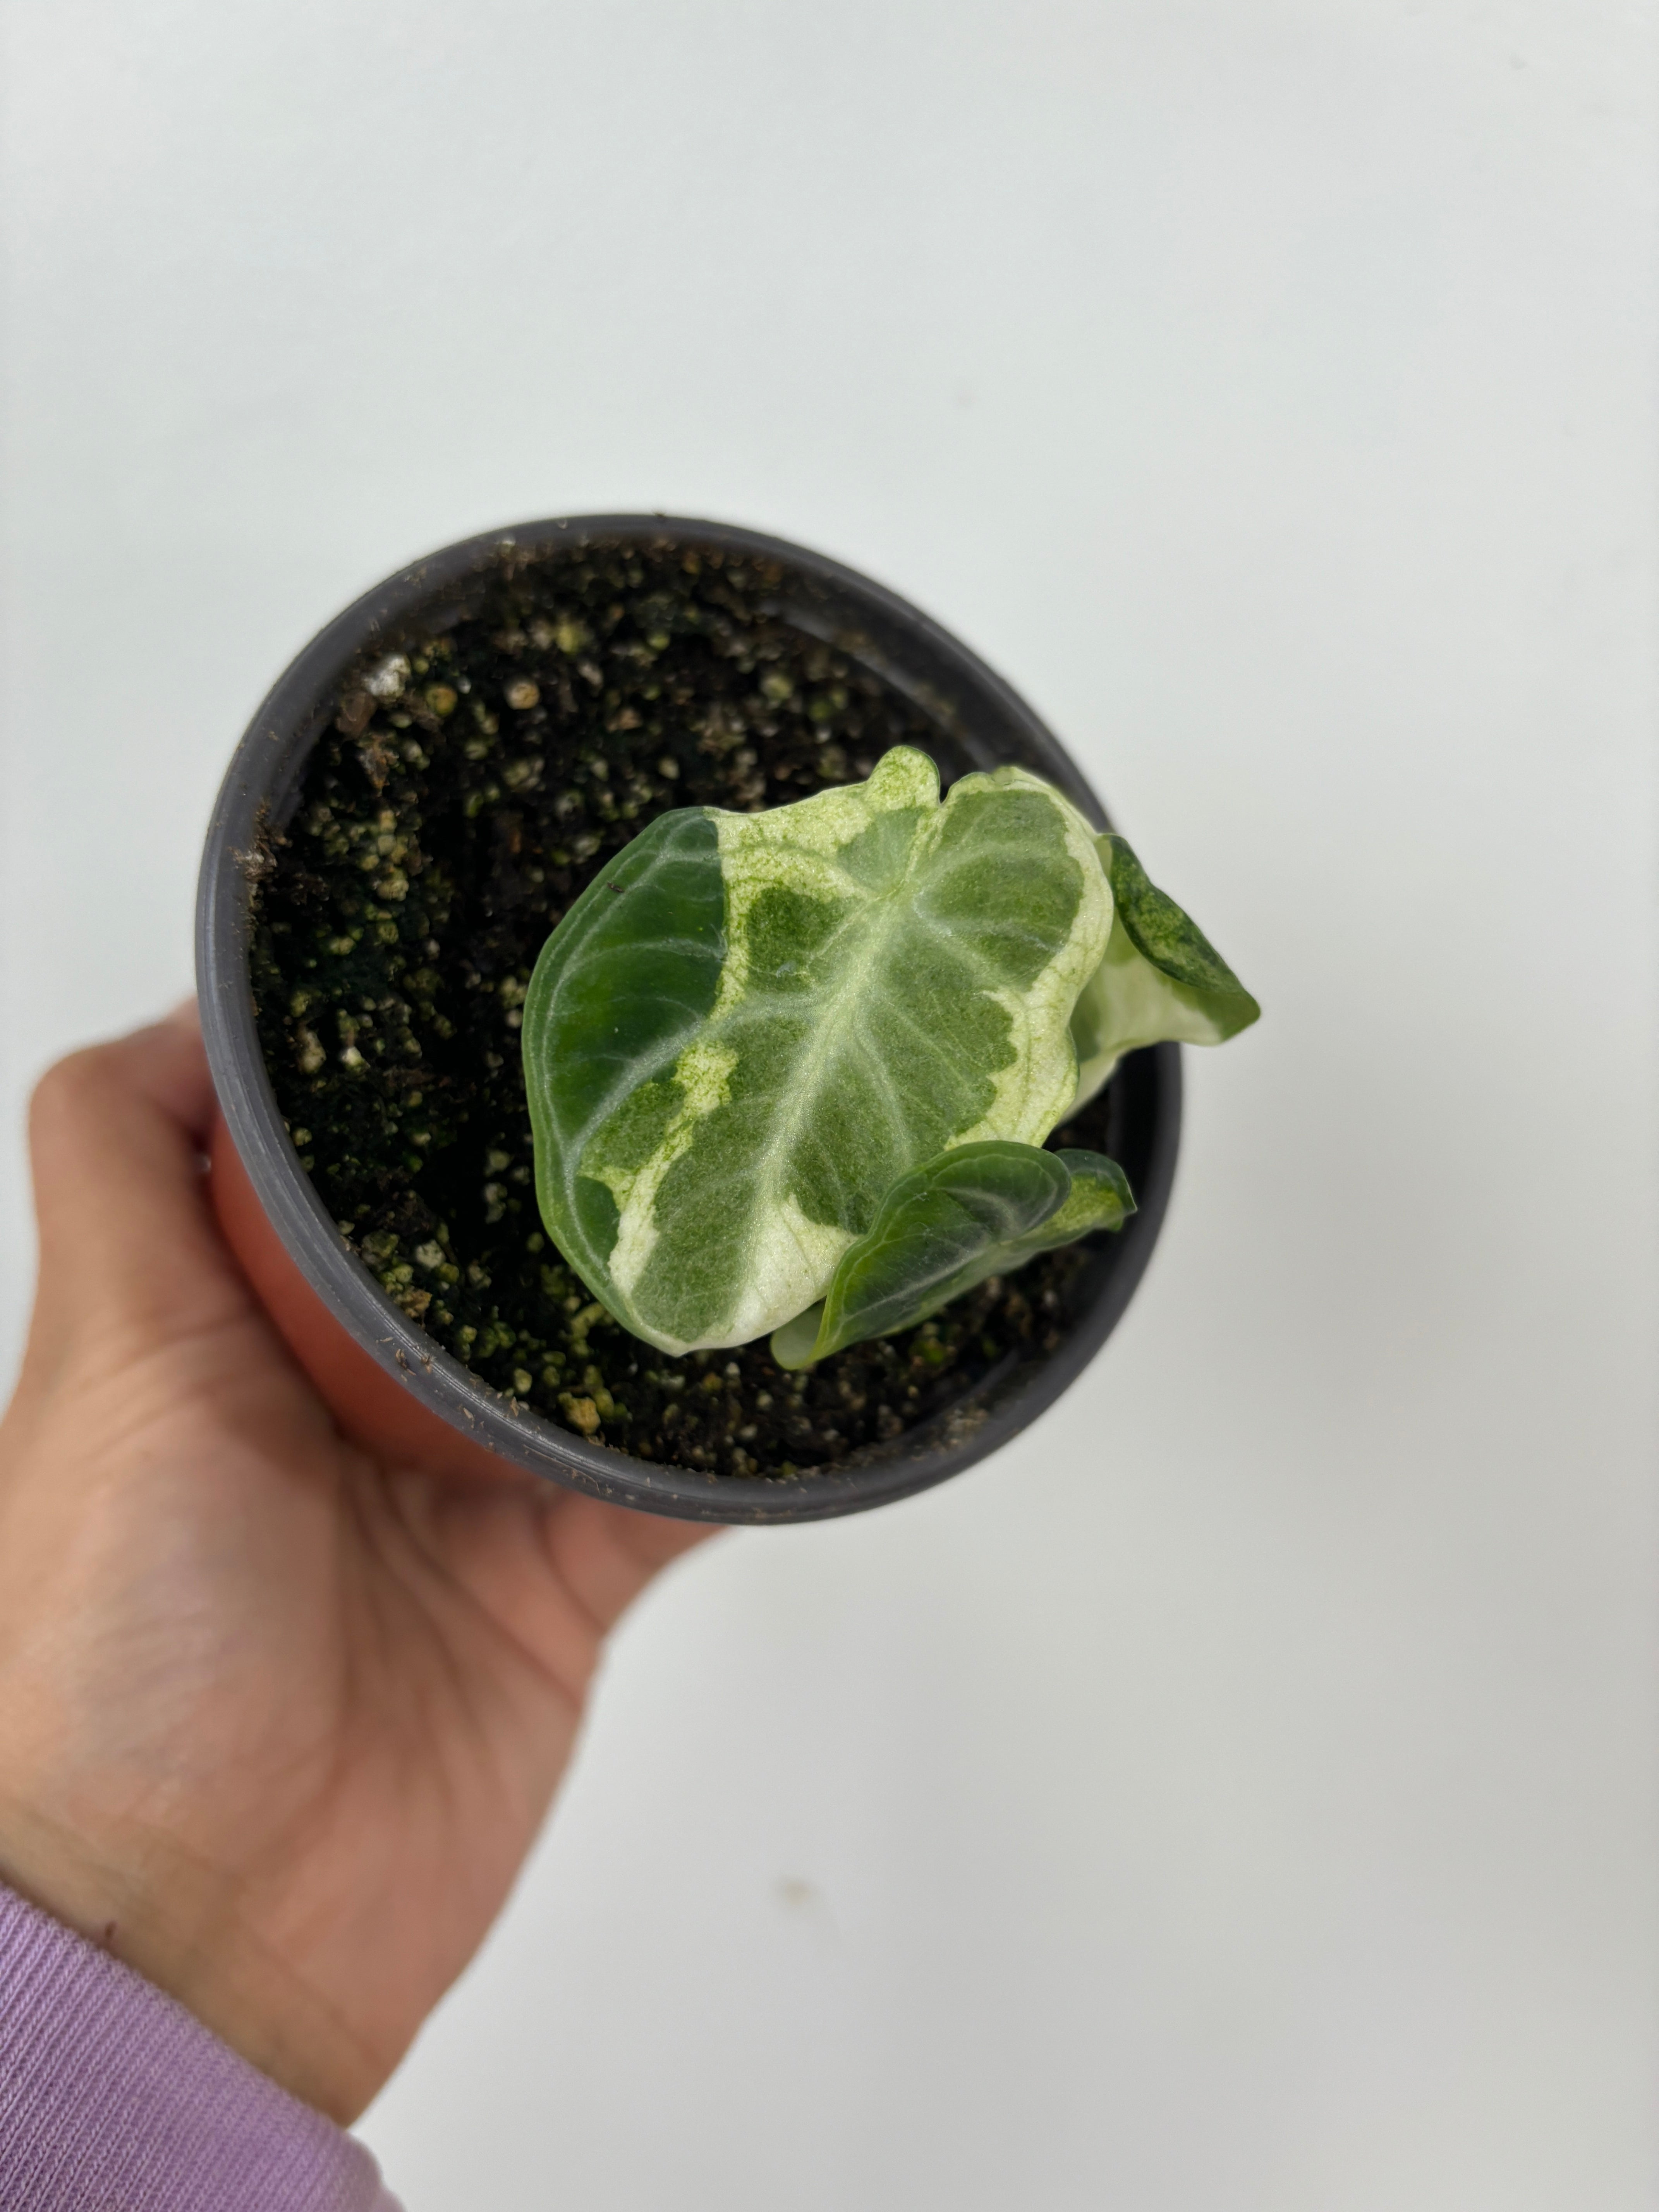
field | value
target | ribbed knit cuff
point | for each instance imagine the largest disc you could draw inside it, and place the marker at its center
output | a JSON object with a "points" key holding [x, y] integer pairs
{"points": [[114, 2099]]}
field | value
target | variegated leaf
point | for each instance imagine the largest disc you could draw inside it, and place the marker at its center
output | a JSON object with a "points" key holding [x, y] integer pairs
{"points": [[750, 1026], [981, 1210], [1161, 978]]}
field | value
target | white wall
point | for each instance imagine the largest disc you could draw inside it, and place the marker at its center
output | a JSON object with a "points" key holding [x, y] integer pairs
{"points": [[1240, 1796]]}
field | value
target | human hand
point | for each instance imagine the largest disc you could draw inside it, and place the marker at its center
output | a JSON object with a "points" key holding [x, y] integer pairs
{"points": [[278, 1722]]}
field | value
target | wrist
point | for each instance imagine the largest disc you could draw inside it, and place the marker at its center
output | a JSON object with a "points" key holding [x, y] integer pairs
{"points": [[188, 1930]]}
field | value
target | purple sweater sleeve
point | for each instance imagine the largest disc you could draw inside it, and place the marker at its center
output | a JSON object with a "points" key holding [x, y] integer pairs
{"points": [[114, 2099]]}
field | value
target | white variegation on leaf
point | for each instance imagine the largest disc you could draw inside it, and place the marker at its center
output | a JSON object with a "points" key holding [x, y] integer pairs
{"points": [[751, 1026]]}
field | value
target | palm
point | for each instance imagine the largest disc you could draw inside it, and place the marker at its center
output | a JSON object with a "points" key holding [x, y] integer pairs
{"points": [[319, 1705]]}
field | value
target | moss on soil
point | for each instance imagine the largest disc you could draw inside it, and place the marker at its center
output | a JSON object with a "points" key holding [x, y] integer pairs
{"points": [[467, 792]]}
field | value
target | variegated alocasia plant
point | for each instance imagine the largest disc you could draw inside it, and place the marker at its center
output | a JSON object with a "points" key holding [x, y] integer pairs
{"points": [[793, 1071]]}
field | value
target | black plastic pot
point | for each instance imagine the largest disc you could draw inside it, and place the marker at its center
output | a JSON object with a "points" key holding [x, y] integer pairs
{"points": [[982, 723]]}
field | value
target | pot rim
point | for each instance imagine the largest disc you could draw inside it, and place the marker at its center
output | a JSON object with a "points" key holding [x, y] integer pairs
{"points": [[959, 689]]}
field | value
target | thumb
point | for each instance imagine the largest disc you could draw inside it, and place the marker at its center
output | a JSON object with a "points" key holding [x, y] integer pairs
{"points": [[127, 1242]]}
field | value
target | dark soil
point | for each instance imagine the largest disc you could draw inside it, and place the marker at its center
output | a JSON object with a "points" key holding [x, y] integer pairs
{"points": [[443, 828]]}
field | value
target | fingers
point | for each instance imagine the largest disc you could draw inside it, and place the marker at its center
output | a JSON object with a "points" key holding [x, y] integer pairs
{"points": [[116, 1135], [128, 1247], [606, 1554]]}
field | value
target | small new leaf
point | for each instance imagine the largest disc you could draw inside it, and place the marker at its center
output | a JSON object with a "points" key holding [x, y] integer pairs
{"points": [[1161, 978], [981, 1210]]}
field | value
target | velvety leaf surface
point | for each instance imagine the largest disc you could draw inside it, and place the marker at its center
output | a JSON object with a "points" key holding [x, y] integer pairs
{"points": [[981, 1210], [1161, 978], [751, 1026]]}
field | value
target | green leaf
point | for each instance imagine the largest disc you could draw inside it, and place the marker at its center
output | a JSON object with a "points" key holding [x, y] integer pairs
{"points": [[751, 1026], [1100, 1198], [1161, 978], [981, 1210]]}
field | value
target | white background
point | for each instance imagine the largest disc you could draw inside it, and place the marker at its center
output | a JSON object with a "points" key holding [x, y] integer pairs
{"points": [[1240, 1795]]}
